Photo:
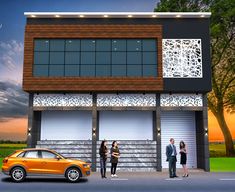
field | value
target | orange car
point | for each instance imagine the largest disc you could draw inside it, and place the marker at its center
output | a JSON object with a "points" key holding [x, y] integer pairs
{"points": [[28, 162]]}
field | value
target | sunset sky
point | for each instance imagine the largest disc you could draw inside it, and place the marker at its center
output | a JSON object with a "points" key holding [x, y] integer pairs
{"points": [[13, 101]]}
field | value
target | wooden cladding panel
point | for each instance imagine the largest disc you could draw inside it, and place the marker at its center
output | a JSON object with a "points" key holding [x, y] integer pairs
{"points": [[32, 84]]}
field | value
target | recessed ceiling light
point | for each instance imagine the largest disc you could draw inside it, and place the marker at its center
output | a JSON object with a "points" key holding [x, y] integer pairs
{"points": [[57, 16], [106, 16], [154, 15], [129, 16], [202, 15], [33, 15], [178, 16], [81, 16]]}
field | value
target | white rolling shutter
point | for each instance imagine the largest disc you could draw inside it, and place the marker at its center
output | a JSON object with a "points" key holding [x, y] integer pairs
{"points": [[179, 125]]}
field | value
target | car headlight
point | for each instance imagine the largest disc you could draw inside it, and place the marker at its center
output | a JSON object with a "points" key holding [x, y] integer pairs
{"points": [[86, 165]]}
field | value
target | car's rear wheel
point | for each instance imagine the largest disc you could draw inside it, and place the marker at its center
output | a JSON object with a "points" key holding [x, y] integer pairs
{"points": [[18, 174], [73, 174]]}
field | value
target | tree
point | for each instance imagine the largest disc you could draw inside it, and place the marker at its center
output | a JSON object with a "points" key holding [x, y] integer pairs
{"points": [[222, 31]]}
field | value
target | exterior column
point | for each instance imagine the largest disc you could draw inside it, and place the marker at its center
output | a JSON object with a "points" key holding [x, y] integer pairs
{"points": [[158, 133], [206, 142], [30, 122], [94, 132]]}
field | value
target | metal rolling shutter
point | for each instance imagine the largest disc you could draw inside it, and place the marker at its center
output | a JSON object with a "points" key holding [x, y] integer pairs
{"points": [[181, 126]]}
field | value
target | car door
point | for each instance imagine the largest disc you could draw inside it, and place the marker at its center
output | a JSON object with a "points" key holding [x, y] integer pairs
{"points": [[32, 162], [52, 164]]}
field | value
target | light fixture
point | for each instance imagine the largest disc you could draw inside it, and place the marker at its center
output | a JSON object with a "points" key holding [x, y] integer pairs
{"points": [[202, 15], [57, 16], [33, 16], [206, 131], [158, 132], [81, 16], [129, 16], [154, 16], [106, 16], [178, 16]]}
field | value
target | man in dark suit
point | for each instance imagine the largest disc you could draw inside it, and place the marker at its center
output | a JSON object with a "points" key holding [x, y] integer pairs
{"points": [[171, 158]]}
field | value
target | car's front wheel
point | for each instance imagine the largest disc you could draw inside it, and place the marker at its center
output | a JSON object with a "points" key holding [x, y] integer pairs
{"points": [[18, 174], [73, 174]]}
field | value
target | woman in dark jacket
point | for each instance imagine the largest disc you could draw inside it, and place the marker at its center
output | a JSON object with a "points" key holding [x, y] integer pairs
{"points": [[103, 151], [115, 154], [183, 158]]}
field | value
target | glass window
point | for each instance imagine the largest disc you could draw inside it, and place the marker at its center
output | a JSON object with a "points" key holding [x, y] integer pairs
{"points": [[40, 70], [150, 70], [149, 58], [149, 44], [133, 45], [41, 58], [88, 45], [103, 45], [118, 58], [31, 154], [71, 70], [72, 45], [134, 70], [41, 45], [87, 70], [134, 58], [103, 58], [87, 58], [57, 45], [103, 70], [72, 58], [118, 45], [57, 58], [118, 70], [21, 154], [56, 70], [48, 155]]}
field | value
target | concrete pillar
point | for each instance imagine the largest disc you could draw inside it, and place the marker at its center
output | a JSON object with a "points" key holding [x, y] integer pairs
{"points": [[94, 132], [158, 133]]}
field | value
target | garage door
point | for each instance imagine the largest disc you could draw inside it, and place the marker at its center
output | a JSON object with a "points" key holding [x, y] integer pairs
{"points": [[66, 125], [125, 125], [181, 126]]}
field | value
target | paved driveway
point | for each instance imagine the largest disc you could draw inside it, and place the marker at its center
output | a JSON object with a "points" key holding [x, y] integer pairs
{"points": [[127, 182]]}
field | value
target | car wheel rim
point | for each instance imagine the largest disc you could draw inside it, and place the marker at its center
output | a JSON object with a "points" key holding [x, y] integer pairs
{"points": [[18, 174], [73, 175]]}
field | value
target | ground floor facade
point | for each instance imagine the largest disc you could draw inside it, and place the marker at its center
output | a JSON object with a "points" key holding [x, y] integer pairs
{"points": [[74, 124]]}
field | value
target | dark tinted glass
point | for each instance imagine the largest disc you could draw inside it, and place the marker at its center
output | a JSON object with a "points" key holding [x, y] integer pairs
{"points": [[40, 70], [88, 45], [72, 45], [41, 58], [118, 58], [57, 45], [87, 70], [103, 58], [57, 58], [118, 45], [72, 58], [134, 70], [103, 45], [71, 70], [103, 70], [133, 45], [56, 70], [149, 58], [41, 45], [150, 70], [87, 58], [149, 44], [119, 70], [134, 58]]}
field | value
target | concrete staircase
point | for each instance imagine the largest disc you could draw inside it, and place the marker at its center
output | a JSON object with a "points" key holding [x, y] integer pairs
{"points": [[135, 155], [71, 149]]}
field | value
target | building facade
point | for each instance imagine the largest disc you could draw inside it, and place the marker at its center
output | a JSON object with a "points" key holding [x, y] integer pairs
{"points": [[138, 78]]}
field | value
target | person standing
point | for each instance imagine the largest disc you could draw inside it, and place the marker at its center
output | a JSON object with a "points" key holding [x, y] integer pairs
{"points": [[103, 151], [115, 154], [183, 158], [171, 158]]}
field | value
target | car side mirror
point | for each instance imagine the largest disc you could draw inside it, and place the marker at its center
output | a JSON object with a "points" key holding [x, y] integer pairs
{"points": [[58, 157]]}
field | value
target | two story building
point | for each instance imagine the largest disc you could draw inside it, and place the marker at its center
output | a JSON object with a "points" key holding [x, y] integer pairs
{"points": [[138, 78]]}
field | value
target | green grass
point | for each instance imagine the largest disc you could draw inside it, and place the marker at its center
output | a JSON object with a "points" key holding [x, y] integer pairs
{"points": [[1, 163], [7, 149], [222, 164]]}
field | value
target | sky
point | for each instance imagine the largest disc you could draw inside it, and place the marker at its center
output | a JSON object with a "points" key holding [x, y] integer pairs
{"points": [[13, 101]]}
